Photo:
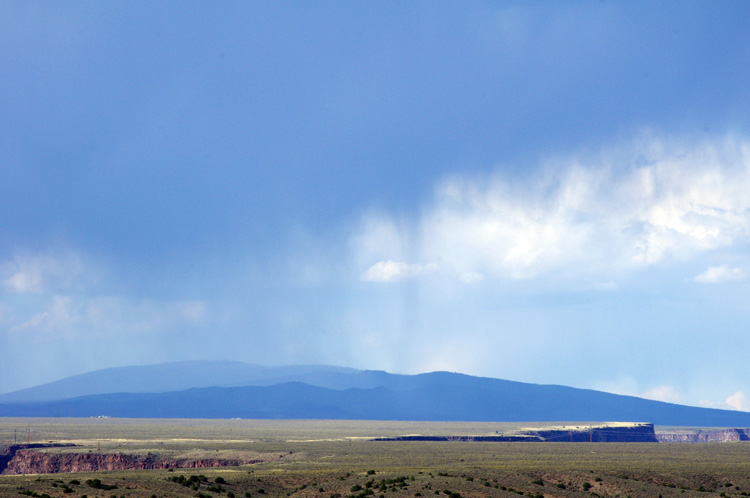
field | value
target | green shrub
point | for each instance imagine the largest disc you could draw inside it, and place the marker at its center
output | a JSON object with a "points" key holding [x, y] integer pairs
{"points": [[97, 484]]}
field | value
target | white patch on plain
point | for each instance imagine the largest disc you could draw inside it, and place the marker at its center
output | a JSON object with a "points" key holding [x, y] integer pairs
{"points": [[720, 274]]}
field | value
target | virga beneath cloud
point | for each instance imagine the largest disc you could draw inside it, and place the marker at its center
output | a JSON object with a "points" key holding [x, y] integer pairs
{"points": [[629, 207]]}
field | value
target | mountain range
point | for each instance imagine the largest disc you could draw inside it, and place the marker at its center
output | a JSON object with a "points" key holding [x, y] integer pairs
{"points": [[223, 389]]}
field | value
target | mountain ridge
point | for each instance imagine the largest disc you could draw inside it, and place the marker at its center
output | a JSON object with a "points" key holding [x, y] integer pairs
{"points": [[173, 376], [326, 392]]}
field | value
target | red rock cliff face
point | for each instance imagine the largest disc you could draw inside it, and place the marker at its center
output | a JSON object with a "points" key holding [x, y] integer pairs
{"points": [[33, 462]]}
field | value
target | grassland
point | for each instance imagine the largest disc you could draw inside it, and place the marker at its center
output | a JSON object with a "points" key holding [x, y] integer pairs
{"points": [[306, 459]]}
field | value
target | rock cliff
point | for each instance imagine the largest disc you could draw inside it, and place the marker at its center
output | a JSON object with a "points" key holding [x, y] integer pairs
{"points": [[704, 436], [8, 453], [605, 433], [24, 459], [616, 433]]}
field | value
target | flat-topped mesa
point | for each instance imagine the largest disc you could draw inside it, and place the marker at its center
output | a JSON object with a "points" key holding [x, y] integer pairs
{"points": [[612, 432], [615, 432], [704, 436]]}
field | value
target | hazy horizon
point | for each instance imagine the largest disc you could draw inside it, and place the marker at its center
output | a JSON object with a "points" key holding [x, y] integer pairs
{"points": [[554, 193]]}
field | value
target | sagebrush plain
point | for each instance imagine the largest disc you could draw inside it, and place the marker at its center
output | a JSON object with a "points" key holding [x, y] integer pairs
{"points": [[306, 459]]}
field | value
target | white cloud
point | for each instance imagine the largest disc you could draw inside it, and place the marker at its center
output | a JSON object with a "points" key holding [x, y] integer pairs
{"points": [[738, 401], [589, 218], [719, 274], [40, 273], [470, 277], [62, 315], [603, 286], [662, 393], [69, 317], [380, 237], [627, 385], [57, 295], [711, 404], [623, 384], [393, 271]]}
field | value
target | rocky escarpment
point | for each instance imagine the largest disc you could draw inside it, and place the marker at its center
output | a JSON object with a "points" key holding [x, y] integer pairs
{"points": [[619, 433], [460, 438], [606, 433], [29, 461], [7, 454], [704, 436]]}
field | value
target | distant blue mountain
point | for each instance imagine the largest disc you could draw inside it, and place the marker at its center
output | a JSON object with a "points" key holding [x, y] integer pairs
{"points": [[303, 392], [178, 376]]}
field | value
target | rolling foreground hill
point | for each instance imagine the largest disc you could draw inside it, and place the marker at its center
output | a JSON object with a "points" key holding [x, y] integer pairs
{"points": [[237, 390]]}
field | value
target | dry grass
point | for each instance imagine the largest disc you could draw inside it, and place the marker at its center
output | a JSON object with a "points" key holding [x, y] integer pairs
{"points": [[332, 456]]}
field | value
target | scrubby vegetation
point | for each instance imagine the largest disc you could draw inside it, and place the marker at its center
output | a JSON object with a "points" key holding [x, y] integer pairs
{"points": [[346, 467]]}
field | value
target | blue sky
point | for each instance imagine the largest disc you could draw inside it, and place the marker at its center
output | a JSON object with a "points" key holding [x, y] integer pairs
{"points": [[545, 192]]}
